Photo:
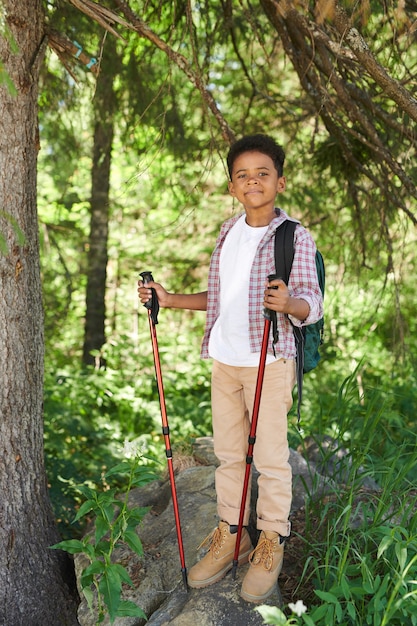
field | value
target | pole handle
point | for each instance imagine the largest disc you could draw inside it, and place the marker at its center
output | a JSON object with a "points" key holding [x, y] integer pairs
{"points": [[273, 277], [272, 315], [146, 277], [268, 314], [152, 305]]}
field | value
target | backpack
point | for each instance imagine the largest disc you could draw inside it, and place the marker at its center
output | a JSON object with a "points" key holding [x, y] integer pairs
{"points": [[308, 339]]}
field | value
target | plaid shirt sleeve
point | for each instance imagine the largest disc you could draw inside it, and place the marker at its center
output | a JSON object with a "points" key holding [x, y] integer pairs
{"points": [[303, 283]]}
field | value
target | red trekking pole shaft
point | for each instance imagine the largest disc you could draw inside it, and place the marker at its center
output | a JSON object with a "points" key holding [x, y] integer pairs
{"points": [[153, 308], [251, 439]]}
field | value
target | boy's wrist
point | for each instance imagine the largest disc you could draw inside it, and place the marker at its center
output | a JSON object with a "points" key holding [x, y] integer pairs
{"points": [[299, 308], [170, 300]]}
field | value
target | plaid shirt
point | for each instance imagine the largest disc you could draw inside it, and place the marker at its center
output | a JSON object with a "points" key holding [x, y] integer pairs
{"points": [[303, 283]]}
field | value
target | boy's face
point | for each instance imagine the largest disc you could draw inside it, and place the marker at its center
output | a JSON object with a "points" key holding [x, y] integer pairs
{"points": [[255, 181]]}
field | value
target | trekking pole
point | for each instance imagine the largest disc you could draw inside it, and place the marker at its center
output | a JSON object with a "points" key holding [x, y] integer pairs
{"points": [[153, 308], [252, 433]]}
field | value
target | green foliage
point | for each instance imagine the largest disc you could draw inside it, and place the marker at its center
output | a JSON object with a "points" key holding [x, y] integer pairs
{"points": [[115, 524], [89, 413], [361, 545], [168, 198]]}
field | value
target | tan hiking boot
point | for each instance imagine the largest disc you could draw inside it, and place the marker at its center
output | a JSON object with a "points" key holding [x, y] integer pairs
{"points": [[219, 559], [265, 567]]}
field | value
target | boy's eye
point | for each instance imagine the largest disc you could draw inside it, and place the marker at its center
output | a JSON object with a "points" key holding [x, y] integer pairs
{"points": [[260, 174]]}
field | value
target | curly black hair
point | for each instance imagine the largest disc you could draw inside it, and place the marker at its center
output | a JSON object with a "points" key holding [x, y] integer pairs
{"points": [[257, 143]]}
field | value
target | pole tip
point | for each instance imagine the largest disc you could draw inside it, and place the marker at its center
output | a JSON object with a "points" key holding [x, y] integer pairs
{"points": [[184, 578]]}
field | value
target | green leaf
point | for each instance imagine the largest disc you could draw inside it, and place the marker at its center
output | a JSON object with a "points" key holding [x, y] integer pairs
{"points": [[103, 547], [107, 497], [73, 546], [123, 573], [368, 587], [352, 611], [86, 581], [380, 597], [345, 588], [110, 587], [89, 548], [136, 515], [384, 545], [121, 468], [96, 568], [87, 492], [272, 615], [129, 609], [401, 553], [88, 594], [133, 541], [102, 526], [358, 592], [143, 476], [108, 511], [326, 596], [339, 612], [319, 612], [85, 508]]}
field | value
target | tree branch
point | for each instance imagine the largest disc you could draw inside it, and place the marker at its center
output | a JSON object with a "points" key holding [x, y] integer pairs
{"points": [[140, 27], [68, 51], [360, 48]]}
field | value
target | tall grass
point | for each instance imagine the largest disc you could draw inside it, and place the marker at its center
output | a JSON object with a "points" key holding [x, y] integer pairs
{"points": [[361, 541]]}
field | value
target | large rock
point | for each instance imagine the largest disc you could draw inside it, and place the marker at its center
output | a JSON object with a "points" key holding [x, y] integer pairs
{"points": [[159, 588]]}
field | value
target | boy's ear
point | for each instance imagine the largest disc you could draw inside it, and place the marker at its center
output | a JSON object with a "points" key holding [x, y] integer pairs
{"points": [[281, 184], [231, 188]]}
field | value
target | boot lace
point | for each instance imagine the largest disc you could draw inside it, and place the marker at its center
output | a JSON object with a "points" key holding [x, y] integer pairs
{"points": [[215, 539], [263, 554]]}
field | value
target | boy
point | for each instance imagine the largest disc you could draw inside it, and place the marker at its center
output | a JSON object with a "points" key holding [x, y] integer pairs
{"points": [[238, 291]]}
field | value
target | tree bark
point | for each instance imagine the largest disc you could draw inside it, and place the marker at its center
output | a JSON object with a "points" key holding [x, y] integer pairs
{"points": [[36, 583], [104, 110]]}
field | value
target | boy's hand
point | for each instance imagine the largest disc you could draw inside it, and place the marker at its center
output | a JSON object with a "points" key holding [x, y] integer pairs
{"points": [[276, 296], [145, 293]]}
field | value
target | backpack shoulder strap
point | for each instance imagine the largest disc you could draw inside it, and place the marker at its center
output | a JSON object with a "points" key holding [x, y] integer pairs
{"points": [[284, 249], [284, 256]]}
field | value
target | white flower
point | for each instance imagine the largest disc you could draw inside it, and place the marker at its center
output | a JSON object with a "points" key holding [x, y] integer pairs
{"points": [[130, 449], [298, 608]]}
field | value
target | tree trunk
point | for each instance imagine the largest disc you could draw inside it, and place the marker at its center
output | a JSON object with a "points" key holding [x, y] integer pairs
{"points": [[36, 583], [104, 108]]}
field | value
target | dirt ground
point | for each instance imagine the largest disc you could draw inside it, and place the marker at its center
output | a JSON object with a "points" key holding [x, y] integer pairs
{"points": [[294, 562]]}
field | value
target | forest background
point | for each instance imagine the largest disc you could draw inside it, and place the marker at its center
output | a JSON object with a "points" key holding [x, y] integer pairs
{"points": [[164, 201], [134, 126]]}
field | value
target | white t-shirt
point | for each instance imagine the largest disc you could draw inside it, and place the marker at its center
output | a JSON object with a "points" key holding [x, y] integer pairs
{"points": [[229, 338]]}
